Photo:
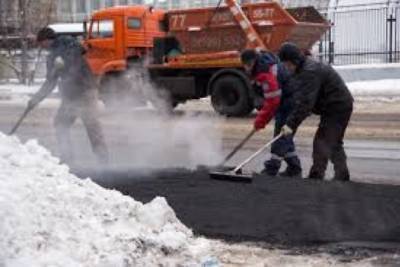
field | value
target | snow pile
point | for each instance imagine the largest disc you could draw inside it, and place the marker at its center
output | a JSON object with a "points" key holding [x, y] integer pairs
{"points": [[49, 217], [378, 88]]}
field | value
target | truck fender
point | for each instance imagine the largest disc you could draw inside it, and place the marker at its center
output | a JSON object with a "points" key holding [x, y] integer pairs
{"points": [[222, 72]]}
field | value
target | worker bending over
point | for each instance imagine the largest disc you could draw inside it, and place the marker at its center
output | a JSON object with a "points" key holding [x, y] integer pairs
{"points": [[273, 99], [67, 67], [319, 90]]}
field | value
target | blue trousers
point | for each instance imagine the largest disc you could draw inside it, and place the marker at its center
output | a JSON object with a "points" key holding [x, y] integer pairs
{"points": [[283, 149]]}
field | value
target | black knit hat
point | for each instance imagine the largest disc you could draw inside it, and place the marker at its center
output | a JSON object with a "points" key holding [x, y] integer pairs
{"points": [[248, 55], [290, 52], [45, 34]]}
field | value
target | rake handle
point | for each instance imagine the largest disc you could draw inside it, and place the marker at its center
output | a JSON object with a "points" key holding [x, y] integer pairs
{"points": [[257, 153], [238, 147]]}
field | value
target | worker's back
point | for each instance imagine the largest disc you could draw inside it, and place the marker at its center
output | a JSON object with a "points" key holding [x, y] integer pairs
{"points": [[75, 76], [332, 90]]}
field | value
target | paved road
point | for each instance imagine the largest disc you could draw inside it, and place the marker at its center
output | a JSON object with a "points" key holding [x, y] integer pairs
{"points": [[138, 138], [267, 209]]}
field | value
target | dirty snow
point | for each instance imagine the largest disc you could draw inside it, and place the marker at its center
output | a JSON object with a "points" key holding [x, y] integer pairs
{"points": [[378, 88], [381, 90], [52, 218], [368, 66]]}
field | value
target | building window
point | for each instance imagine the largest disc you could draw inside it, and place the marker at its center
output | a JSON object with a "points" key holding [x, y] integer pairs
{"points": [[134, 23], [80, 6], [109, 3], [66, 6], [95, 4]]}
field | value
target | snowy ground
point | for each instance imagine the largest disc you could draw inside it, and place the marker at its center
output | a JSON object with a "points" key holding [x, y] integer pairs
{"points": [[51, 218], [387, 90]]}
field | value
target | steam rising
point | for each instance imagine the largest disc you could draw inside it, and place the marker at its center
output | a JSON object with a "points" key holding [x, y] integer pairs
{"points": [[155, 137]]}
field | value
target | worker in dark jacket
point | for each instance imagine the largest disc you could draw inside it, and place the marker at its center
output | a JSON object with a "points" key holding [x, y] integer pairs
{"points": [[67, 67], [319, 90], [284, 148]]}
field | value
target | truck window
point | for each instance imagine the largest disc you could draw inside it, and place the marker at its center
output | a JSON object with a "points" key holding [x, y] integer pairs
{"points": [[134, 23], [102, 29], [163, 25]]}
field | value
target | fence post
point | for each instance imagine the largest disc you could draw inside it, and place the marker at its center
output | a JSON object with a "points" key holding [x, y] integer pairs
{"points": [[391, 20], [321, 50], [331, 44]]}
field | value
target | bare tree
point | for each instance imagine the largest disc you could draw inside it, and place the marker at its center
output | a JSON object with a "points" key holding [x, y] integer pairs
{"points": [[24, 18]]}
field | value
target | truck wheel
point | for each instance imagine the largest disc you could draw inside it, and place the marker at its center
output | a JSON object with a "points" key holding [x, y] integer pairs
{"points": [[230, 97]]}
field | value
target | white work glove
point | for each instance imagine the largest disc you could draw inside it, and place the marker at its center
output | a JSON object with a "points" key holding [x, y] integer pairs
{"points": [[59, 63], [286, 130]]}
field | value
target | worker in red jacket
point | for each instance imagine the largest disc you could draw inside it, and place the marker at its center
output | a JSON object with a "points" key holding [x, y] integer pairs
{"points": [[266, 89], [265, 85], [266, 67]]}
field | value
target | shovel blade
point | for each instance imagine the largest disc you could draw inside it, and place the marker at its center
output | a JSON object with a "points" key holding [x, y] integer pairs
{"points": [[231, 176], [215, 168]]}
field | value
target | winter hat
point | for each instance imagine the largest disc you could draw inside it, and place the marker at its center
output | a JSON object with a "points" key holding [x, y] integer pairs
{"points": [[248, 55], [45, 34], [290, 52]]}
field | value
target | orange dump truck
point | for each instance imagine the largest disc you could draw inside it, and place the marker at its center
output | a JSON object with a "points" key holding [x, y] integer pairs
{"points": [[194, 52]]}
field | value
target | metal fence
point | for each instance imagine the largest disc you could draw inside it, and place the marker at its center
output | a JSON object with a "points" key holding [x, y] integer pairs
{"points": [[362, 35]]}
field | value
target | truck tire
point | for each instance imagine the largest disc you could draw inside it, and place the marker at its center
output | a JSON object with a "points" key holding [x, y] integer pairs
{"points": [[230, 96]]}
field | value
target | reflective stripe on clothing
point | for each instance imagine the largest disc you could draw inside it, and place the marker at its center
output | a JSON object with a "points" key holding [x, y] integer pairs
{"points": [[265, 87], [276, 157], [274, 69], [273, 94], [291, 154]]}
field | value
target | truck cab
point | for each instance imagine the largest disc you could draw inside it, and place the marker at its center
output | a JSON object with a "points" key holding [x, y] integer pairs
{"points": [[121, 34]]}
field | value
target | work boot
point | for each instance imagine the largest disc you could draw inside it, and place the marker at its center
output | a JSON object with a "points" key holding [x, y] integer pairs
{"points": [[316, 172], [291, 172], [271, 167], [268, 172], [293, 167], [342, 176], [315, 176]]}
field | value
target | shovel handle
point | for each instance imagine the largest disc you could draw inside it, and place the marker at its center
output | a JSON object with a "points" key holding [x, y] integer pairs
{"points": [[257, 152], [14, 129], [238, 147]]}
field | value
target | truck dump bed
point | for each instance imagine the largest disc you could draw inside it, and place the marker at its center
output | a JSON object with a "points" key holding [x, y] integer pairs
{"points": [[208, 30]]}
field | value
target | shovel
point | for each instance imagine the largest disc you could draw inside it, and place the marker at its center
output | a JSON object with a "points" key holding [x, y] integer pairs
{"points": [[238, 147], [236, 175], [16, 126]]}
